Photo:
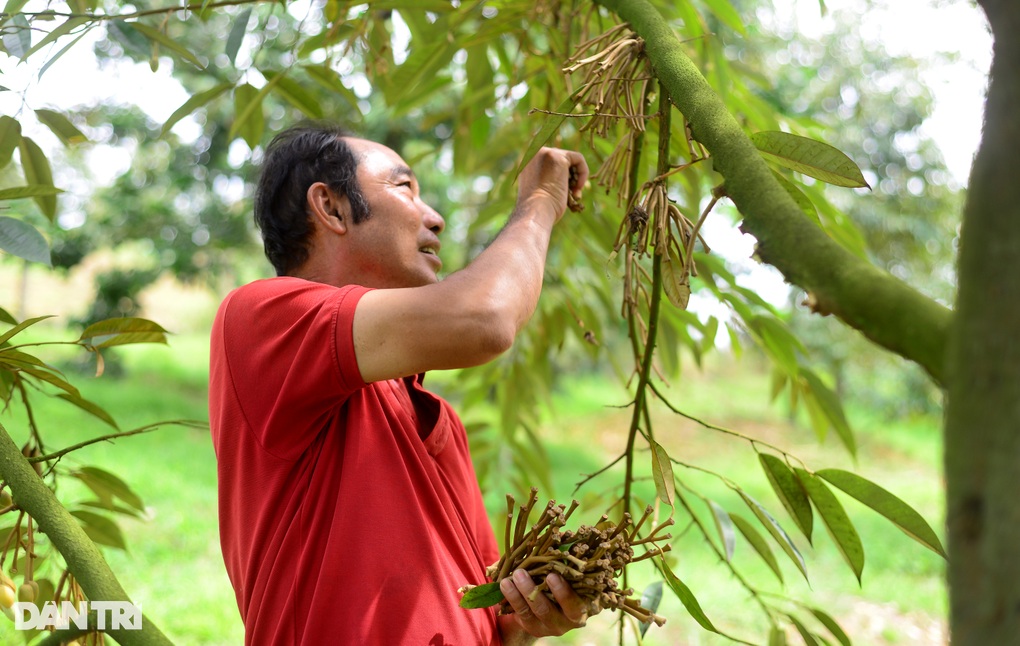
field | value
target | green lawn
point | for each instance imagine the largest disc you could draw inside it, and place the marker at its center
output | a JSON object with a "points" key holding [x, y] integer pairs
{"points": [[173, 566]]}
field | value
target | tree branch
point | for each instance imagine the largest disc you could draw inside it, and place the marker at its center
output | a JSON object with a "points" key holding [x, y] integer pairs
{"points": [[882, 307], [83, 558]]}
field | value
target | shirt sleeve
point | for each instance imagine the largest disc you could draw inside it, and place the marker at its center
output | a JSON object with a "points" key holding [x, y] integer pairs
{"points": [[290, 348]]}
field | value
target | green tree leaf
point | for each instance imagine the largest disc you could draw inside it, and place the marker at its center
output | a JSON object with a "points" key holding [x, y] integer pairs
{"points": [[18, 327], [724, 525], [157, 36], [192, 104], [662, 473], [18, 192], [249, 121], [829, 404], [759, 544], [789, 491], [550, 125], [10, 137], [776, 530], [686, 597], [805, 634], [107, 486], [236, 36], [835, 520], [100, 529], [122, 331], [810, 157], [885, 503], [89, 407], [831, 625], [676, 283], [293, 93], [651, 597], [65, 131], [36, 168], [63, 29], [482, 596], [17, 37], [23, 240], [727, 14]]}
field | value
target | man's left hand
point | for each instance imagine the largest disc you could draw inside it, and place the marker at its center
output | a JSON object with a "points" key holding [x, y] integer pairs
{"points": [[539, 616]]}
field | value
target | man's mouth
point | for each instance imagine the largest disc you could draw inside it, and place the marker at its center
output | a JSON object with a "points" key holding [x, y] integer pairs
{"points": [[432, 251]]}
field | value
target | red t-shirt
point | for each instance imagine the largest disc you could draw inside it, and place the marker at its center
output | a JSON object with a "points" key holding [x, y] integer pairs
{"points": [[349, 513]]}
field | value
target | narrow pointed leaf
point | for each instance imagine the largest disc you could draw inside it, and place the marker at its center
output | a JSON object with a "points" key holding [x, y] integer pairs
{"points": [[789, 491], [236, 36], [106, 485], [482, 596], [23, 240], [651, 597], [100, 529], [192, 104], [89, 407], [17, 36], [831, 625], [726, 14], [885, 503], [157, 36], [724, 525], [662, 474], [293, 93], [676, 283], [776, 530], [777, 637], [36, 168], [63, 50], [836, 521], [65, 131], [759, 544], [685, 595], [34, 190], [832, 408], [11, 333], [64, 29], [805, 634], [799, 196], [122, 331], [810, 157], [10, 137]]}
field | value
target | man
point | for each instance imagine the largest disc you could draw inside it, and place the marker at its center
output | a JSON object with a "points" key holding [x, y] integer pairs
{"points": [[349, 509]]}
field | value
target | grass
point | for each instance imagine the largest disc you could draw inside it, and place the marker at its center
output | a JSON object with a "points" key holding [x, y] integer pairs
{"points": [[173, 564]]}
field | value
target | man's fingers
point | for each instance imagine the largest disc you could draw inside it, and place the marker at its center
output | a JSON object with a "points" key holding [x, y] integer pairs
{"points": [[573, 607]]}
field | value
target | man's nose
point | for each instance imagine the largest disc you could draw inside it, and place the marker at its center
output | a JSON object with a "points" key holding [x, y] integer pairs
{"points": [[433, 221]]}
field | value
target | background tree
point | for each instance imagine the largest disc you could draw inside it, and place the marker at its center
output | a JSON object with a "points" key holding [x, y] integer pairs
{"points": [[664, 107]]}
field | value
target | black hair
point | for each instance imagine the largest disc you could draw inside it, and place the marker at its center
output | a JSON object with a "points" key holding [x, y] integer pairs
{"points": [[294, 160]]}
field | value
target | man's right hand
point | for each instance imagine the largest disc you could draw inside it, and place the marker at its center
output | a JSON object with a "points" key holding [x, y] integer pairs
{"points": [[545, 182]]}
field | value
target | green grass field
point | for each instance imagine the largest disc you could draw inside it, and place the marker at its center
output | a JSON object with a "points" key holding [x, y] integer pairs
{"points": [[173, 565]]}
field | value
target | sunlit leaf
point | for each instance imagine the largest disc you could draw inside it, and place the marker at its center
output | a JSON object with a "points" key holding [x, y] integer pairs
{"points": [[835, 520], [10, 137], [759, 544], [810, 157], [100, 529], [36, 168], [886, 504], [122, 331], [799, 196], [249, 121], [18, 327], [23, 240], [293, 93], [776, 530], [236, 36], [777, 636], [63, 50], [193, 104], [724, 525], [63, 29], [727, 14], [805, 634], [789, 491], [662, 473], [17, 37], [59, 125], [482, 596], [19, 192]]}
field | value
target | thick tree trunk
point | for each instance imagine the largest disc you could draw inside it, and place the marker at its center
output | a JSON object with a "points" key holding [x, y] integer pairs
{"points": [[982, 451]]}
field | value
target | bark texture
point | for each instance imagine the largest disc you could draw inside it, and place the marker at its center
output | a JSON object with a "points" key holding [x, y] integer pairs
{"points": [[982, 451]]}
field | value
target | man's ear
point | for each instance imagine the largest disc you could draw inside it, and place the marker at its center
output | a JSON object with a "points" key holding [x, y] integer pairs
{"points": [[327, 209]]}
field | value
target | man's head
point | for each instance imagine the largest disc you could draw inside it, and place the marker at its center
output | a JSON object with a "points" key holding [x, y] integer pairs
{"points": [[294, 160]]}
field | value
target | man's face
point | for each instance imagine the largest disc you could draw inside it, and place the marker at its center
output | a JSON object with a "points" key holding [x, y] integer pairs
{"points": [[398, 245]]}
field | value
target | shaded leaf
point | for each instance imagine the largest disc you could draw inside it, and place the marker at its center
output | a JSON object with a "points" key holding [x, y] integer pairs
{"points": [[10, 137], [100, 529], [36, 168], [810, 157], [676, 283], [724, 525], [550, 125], [799, 196], [777, 636], [236, 36], [193, 104], [482, 596], [89, 407], [157, 36], [805, 634], [249, 121], [789, 491], [107, 486], [727, 14], [17, 36], [759, 544], [662, 473], [835, 520], [65, 131], [885, 503], [776, 530], [293, 93], [651, 597], [23, 240]]}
